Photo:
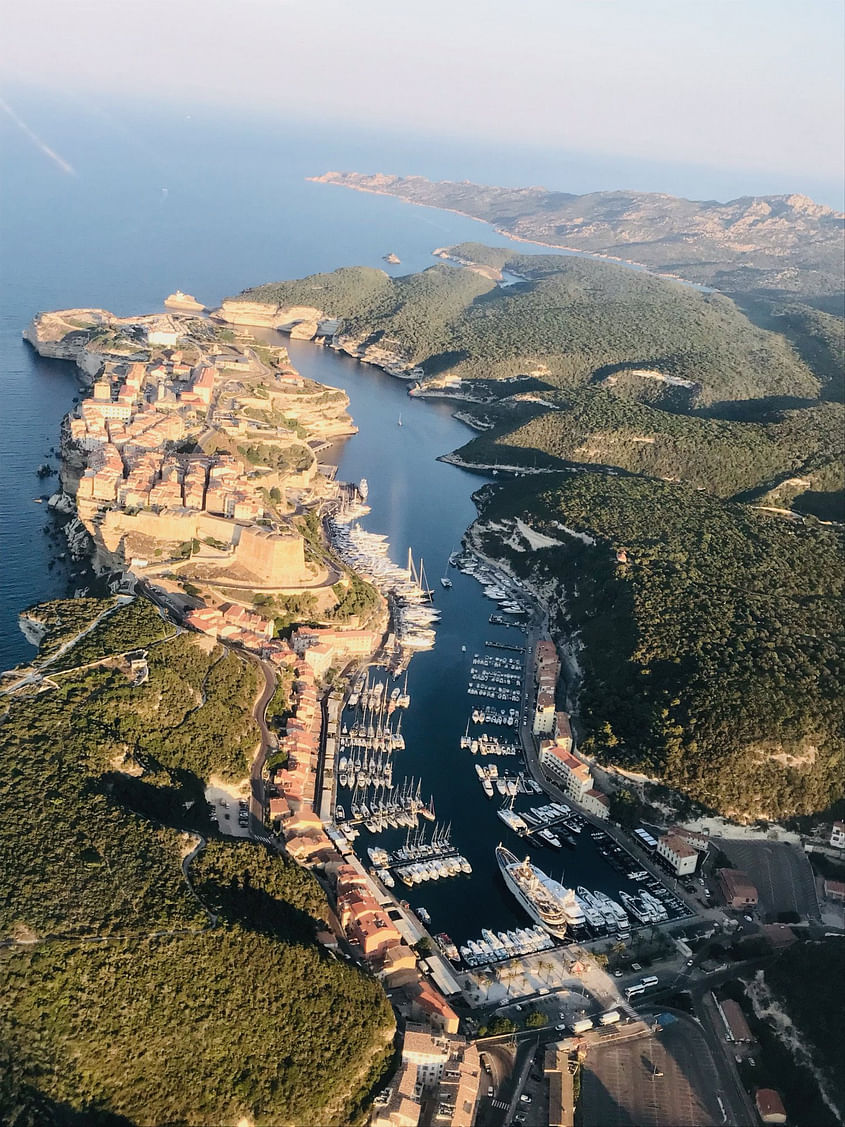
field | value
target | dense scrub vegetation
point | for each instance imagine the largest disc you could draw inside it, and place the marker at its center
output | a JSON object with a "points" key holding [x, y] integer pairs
{"points": [[194, 1029], [592, 425], [356, 598], [284, 459], [63, 619], [571, 319], [164, 1018], [713, 658], [136, 624]]}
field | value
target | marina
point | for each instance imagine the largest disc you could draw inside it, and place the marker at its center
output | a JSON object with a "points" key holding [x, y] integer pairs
{"points": [[432, 743]]}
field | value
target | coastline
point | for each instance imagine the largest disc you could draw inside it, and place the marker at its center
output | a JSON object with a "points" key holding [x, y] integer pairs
{"points": [[575, 251]]}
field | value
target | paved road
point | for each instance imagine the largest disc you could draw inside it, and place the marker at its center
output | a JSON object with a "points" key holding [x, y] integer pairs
{"points": [[268, 742]]}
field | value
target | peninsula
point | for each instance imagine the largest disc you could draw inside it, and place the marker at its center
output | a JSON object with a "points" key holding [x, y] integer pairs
{"points": [[784, 247]]}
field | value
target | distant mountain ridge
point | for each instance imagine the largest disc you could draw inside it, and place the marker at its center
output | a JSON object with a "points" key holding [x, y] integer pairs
{"points": [[764, 246]]}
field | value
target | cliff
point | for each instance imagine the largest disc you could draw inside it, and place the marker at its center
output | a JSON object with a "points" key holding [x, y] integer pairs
{"points": [[302, 322]]}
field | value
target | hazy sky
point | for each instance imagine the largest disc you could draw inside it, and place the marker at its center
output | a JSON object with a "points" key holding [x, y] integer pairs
{"points": [[751, 84]]}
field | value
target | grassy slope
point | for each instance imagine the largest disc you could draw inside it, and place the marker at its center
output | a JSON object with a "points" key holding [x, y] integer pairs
{"points": [[192, 1025], [715, 648]]}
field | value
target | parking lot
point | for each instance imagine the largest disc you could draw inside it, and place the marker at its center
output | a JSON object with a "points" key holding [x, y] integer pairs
{"points": [[667, 1079], [228, 811], [780, 872]]}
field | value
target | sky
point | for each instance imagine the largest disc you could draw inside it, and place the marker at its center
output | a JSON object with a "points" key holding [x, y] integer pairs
{"points": [[737, 84]]}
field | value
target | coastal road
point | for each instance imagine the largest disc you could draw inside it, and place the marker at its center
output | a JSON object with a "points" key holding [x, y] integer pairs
{"points": [[268, 743]]}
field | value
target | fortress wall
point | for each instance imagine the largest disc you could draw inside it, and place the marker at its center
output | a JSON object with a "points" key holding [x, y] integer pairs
{"points": [[275, 558]]}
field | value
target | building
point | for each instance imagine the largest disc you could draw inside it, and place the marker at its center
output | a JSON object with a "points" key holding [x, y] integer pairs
{"points": [[563, 731], [737, 889], [835, 890], [546, 671], [561, 1090], [428, 1004], [398, 1105], [837, 835], [448, 1072], [769, 1106], [736, 1027], [695, 838], [682, 858], [544, 713], [563, 768], [596, 803]]}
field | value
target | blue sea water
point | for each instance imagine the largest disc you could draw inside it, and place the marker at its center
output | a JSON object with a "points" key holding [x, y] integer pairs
{"points": [[164, 198]]}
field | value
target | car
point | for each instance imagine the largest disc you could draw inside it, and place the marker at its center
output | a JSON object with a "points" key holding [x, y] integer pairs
{"points": [[617, 974], [524, 1098], [689, 962], [562, 1025], [489, 1091], [749, 918], [226, 816]]}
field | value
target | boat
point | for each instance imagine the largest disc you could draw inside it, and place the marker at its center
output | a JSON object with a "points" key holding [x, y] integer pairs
{"points": [[593, 916], [446, 581], [378, 856], [339, 814], [541, 897], [641, 912], [424, 915], [549, 838], [399, 422], [575, 915], [512, 820], [448, 947], [487, 785]]}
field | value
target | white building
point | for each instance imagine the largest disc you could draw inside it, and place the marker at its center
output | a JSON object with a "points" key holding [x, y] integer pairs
{"points": [[596, 803], [682, 857], [563, 768], [544, 713]]}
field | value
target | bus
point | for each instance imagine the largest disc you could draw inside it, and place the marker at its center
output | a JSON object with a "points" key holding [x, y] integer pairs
{"points": [[610, 1018], [650, 980], [633, 991]]}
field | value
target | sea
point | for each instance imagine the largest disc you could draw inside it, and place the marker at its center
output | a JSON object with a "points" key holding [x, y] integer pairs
{"points": [[116, 205]]}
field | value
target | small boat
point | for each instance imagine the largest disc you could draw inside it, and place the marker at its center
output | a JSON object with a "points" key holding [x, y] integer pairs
{"points": [[424, 915], [448, 947]]}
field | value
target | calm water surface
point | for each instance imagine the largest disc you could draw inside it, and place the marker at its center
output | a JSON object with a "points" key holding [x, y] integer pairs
{"points": [[211, 207]]}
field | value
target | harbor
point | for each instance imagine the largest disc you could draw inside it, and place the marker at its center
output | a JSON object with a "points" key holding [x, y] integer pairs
{"points": [[417, 738]]}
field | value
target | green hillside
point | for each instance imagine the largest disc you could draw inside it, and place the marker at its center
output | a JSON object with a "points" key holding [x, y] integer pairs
{"points": [[127, 999], [572, 321], [713, 658], [595, 426]]}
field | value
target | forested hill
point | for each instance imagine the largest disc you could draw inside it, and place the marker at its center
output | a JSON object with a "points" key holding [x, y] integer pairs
{"points": [[127, 999], [770, 246], [801, 450], [574, 321], [713, 657]]}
